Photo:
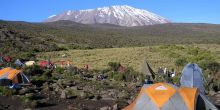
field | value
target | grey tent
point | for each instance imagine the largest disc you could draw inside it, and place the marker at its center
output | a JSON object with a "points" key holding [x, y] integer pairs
{"points": [[165, 96], [146, 70], [191, 76]]}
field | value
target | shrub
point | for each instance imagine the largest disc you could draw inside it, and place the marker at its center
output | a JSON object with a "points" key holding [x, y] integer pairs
{"points": [[193, 51], [5, 91], [174, 55], [129, 75], [114, 65], [210, 65], [33, 70], [59, 70], [180, 62]]}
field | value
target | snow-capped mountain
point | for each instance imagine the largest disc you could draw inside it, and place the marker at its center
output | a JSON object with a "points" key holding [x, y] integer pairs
{"points": [[118, 15]]}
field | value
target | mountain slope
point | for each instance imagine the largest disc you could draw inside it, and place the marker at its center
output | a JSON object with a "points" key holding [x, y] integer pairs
{"points": [[118, 15], [60, 35]]}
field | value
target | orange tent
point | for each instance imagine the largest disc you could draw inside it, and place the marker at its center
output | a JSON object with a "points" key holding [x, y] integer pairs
{"points": [[14, 75], [164, 96]]}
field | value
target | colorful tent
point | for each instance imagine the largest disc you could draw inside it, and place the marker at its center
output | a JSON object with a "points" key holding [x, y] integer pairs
{"points": [[7, 59], [14, 75], [164, 96], [191, 76], [29, 63], [43, 64], [18, 63]]}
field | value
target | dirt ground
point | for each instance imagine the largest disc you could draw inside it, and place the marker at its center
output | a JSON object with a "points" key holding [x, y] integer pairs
{"points": [[8, 103]]}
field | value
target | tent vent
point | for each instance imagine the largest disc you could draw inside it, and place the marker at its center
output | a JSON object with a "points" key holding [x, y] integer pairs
{"points": [[160, 88]]}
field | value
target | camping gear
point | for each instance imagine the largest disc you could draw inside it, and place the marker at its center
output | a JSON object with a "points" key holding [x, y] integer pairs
{"points": [[164, 96], [46, 64], [29, 63], [1, 60], [43, 64], [146, 70], [18, 63], [191, 76], [121, 68], [16, 77], [62, 63], [7, 59]]}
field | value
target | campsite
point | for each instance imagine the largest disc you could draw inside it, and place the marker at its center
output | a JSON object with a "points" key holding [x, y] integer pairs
{"points": [[109, 55], [60, 81]]}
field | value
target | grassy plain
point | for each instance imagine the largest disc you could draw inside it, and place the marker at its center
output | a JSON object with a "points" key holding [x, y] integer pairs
{"points": [[157, 56]]}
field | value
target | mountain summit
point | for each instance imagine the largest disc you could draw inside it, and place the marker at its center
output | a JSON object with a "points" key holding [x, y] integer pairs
{"points": [[118, 15]]}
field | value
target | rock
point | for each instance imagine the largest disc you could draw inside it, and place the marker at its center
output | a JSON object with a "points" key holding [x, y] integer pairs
{"points": [[46, 89], [217, 95], [72, 108], [57, 89], [79, 88], [54, 85], [23, 91], [87, 88], [105, 108], [63, 95], [212, 93], [123, 84], [53, 93], [106, 97], [45, 84], [68, 83], [82, 94], [97, 97], [121, 94], [29, 95], [73, 88], [115, 107], [59, 81]]}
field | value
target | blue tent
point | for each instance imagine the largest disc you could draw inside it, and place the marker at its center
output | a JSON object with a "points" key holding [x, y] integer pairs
{"points": [[18, 63], [191, 76]]}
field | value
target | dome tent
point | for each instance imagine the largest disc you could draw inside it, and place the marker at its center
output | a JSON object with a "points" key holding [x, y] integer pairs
{"points": [[191, 76], [13, 77], [164, 96]]}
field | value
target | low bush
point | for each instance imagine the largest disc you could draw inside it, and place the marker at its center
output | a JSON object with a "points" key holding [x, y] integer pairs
{"points": [[33, 70], [114, 65], [181, 62], [5, 91]]}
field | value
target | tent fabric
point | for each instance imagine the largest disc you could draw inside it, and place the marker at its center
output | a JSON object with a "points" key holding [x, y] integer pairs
{"points": [[164, 96], [18, 63], [187, 95], [191, 76], [4, 70], [29, 63], [156, 92], [146, 70], [16, 76], [208, 104]]}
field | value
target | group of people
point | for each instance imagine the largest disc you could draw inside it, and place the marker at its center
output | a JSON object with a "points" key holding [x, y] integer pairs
{"points": [[165, 71]]}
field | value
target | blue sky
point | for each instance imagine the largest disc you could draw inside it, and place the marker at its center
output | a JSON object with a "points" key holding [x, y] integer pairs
{"points": [[196, 11]]}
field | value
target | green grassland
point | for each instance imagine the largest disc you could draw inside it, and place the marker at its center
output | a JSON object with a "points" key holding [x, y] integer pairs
{"points": [[66, 35], [157, 56]]}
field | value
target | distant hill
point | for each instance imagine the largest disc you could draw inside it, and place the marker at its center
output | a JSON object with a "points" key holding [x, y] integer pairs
{"points": [[24, 36]]}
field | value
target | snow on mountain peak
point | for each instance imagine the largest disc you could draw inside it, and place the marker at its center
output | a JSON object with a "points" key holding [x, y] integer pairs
{"points": [[122, 15], [68, 12], [51, 16]]}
